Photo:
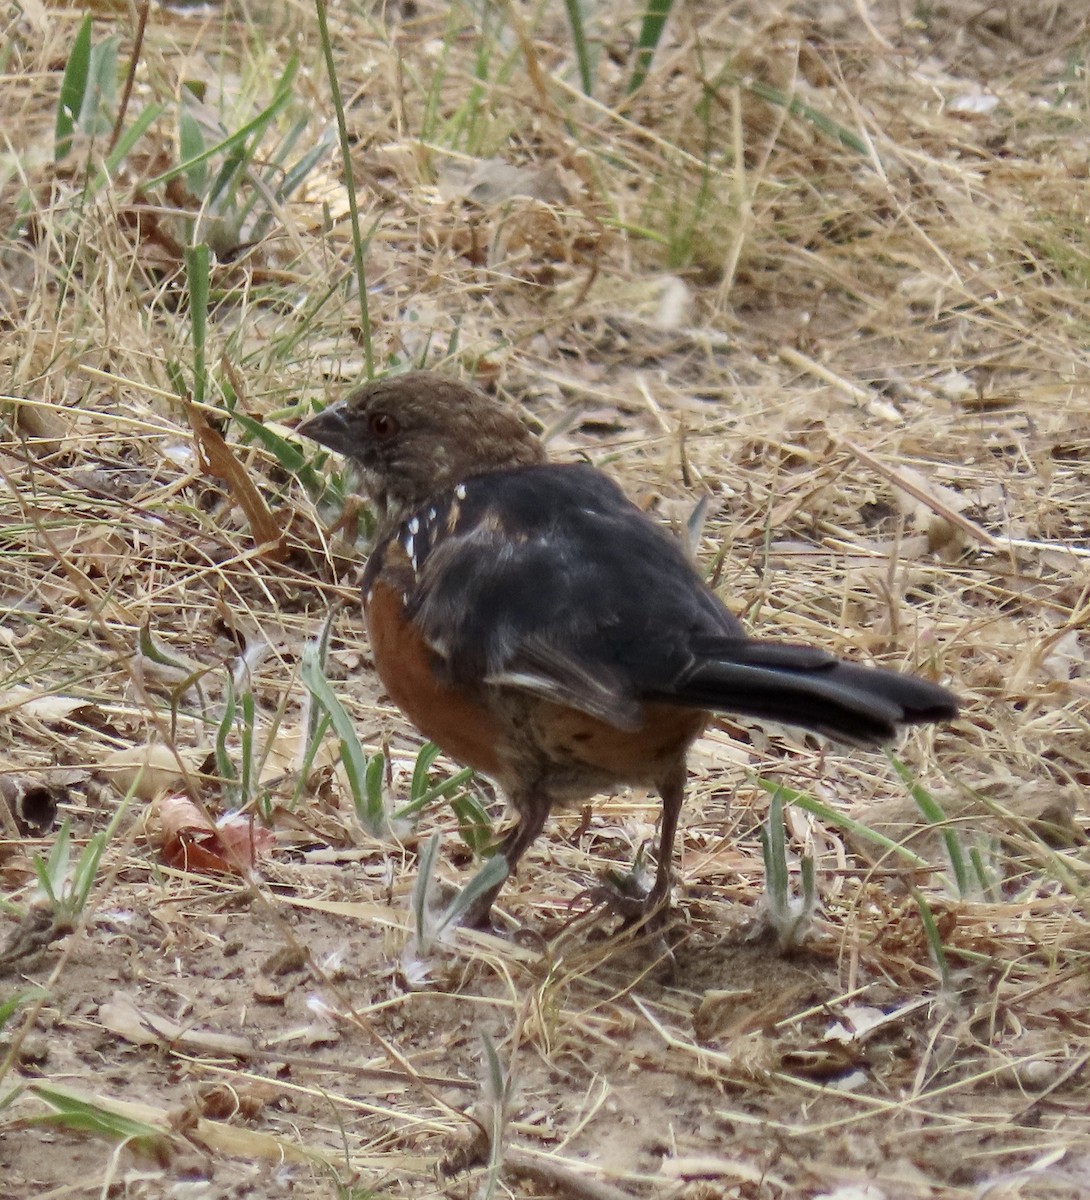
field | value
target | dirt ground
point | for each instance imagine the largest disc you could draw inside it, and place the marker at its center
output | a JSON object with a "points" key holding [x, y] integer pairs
{"points": [[855, 317]]}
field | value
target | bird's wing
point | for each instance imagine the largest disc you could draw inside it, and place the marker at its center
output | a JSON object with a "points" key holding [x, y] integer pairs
{"points": [[549, 580]]}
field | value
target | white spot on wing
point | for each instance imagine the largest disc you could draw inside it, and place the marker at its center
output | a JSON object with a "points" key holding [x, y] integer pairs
{"points": [[522, 679], [414, 525], [460, 491], [438, 646]]}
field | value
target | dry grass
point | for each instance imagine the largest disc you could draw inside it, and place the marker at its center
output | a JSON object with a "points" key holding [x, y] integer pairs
{"points": [[857, 321]]}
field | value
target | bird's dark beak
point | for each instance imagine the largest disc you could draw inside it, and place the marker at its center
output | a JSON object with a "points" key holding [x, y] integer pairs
{"points": [[331, 427]]}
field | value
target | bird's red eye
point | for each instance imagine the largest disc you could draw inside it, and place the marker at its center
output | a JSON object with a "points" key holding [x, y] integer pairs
{"points": [[382, 426]]}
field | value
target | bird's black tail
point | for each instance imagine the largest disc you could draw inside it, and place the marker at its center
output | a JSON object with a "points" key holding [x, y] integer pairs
{"points": [[808, 687]]}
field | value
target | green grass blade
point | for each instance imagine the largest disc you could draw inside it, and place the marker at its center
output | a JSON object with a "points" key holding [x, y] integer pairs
{"points": [[310, 751], [792, 104], [934, 938], [246, 751], [494, 871], [374, 807], [353, 759], [144, 121], [100, 100], [809, 884], [74, 85], [83, 877], [360, 784], [654, 22], [228, 146], [985, 878], [286, 453], [316, 716], [295, 175], [497, 1090], [10, 1006], [423, 887], [474, 823], [53, 872], [198, 279], [579, 44], [350, 186], [841, 821], [191, 145], [225, 768], [933, 813], [429, 752], [774, 852], [443, 788], [73, 1112], [228, 177]]}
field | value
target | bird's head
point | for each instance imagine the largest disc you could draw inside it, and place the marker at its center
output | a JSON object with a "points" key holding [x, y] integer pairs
{"points": [[417, 435]]}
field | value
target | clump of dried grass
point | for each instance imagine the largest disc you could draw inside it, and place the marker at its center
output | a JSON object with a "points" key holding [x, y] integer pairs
{"points": [[832, 273]]}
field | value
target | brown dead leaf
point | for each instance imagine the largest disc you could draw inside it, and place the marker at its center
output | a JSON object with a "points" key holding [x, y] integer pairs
{"points": [[489, 181], [42, 706], [225, 1102], [145, 1027], [190, 842], [147, 770], [45, 423], [218, 459]]}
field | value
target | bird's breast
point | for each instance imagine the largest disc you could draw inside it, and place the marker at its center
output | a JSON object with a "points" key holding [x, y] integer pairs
{"points": [[460, 724]]}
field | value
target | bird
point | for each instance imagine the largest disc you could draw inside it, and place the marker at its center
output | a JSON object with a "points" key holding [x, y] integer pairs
{"points": [[543, 630]]}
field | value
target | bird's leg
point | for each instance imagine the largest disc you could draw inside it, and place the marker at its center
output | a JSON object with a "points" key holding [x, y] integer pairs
{"points": [[533, 808], [672, 791]]}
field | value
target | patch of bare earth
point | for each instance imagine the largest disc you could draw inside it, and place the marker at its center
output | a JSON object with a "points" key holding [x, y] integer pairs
{"points": [[827, 266]]}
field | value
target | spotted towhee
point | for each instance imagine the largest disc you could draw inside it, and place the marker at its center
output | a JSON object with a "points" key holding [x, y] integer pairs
{"points": [[534, 623]]}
